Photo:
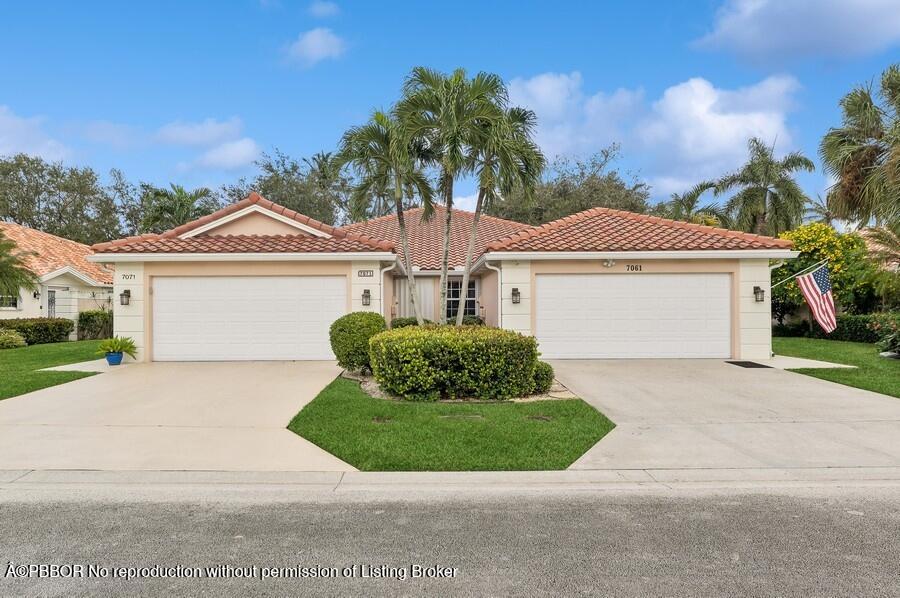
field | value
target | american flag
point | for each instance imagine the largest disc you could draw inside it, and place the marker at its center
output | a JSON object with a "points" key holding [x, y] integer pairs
{"points": [[816, 289]]}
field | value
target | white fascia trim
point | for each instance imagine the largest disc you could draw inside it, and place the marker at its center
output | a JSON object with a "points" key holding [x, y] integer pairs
{"points": [[643, 255], [76, 273], [241, 257], [249, 210]]}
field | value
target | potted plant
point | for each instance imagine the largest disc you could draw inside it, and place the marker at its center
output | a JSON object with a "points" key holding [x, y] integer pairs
{"points": [[115, 347]]}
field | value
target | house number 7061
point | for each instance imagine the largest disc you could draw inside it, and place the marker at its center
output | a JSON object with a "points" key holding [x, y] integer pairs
{"points": [[632, 267]]}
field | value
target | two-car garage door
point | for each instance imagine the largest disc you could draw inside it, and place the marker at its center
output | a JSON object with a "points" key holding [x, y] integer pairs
{"points": [[244, 318], [633, 316]]}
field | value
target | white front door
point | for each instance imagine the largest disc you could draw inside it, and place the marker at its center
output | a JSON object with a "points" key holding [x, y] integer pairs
{"points": [[609, 316], [245, 318]]}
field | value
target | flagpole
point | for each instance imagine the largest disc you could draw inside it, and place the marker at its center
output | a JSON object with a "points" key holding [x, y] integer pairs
{"points": [[800, 273]]}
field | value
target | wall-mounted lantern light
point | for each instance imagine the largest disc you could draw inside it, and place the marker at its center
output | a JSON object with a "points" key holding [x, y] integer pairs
{"points": [[367, 297], [36, 295], [516, 296], [125, 297], [609, 263], [759, 294]]}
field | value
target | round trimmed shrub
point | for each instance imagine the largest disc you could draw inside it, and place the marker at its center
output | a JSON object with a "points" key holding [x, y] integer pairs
{"points": [[10, 339], [350, 336], [543, 377], [407, 321], [429, 362]]}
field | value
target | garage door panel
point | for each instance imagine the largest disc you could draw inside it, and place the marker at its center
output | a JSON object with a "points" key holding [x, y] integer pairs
{"points": [[221, 318], [634, 316]]}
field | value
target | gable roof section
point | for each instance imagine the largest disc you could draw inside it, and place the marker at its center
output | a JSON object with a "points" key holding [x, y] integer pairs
{"points": [[426, 238], [178, 239], [55, 255], [605, 229]]}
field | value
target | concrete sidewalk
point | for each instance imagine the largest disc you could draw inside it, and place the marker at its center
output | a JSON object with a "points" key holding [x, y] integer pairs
{"points": [[259, 486]]}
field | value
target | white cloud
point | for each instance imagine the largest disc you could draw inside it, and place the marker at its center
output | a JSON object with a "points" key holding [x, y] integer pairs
{"points": [[206, 132], [26, 135], [465, 202], [569, 120], [694, 130], [230, 155], [316, 45], [780, 30], [322, 9]]}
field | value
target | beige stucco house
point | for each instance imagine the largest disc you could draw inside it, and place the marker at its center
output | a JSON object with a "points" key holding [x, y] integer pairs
{"points": [[69, 283], [256, 281]]}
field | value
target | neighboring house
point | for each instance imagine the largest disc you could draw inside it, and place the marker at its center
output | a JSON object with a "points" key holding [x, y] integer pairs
{"points": [[258, 281], [69, 283]]}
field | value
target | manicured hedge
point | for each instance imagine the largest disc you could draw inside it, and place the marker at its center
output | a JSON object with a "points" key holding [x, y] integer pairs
{"points": [[407, 321], [350, 336], [429, 363], [10, 339], [95, 323], [855, 328], [543, 377], [37, 331]]}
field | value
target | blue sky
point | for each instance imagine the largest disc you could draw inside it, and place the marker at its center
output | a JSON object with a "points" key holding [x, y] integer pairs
{"points": [[192, 92]]}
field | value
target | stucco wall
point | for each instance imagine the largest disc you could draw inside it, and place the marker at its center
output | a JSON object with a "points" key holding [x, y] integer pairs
{"points": [[255, 223], [488, 297], [755, 318]]}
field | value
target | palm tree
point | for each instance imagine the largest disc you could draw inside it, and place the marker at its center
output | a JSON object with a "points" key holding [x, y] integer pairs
{"points": [[863, 154], [505, 158], [13, 273], [386, 159], [684, 207], [769, 201], [447, 113], [173, 207], [885, 242], [821, 210]]}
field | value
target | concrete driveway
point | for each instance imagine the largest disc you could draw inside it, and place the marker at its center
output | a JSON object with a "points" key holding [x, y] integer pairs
{"points": [[170, 416], [672, 414]]}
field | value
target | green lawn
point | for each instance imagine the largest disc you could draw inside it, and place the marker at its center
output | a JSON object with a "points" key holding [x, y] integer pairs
{"points": [[872, 373], [17, 366], [379, 435]]}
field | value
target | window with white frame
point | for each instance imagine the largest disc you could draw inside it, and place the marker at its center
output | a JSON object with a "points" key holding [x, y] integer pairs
{"points": [[9, 301], [454, 287]]}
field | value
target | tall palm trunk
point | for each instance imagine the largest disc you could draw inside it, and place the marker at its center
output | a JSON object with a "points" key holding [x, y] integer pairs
{"points": [[445, 258], [407, 262], [470, 251]]}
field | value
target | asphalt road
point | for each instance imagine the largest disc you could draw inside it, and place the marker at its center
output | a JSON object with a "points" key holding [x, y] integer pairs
{"points": [[786, 543]]}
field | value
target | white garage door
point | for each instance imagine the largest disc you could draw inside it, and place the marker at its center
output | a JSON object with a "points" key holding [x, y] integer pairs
{"points": [[632, 316], [245, 318]]}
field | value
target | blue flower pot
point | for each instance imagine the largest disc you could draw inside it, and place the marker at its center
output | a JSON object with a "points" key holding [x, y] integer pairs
{"points": [[114, 358]]}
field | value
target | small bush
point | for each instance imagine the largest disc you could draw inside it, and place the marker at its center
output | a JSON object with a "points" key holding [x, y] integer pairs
{"points": [[118, 344], [350, 336], [10, 339], [37, 331], [95, 323], [887, 328], [408, 321], [543, 377], [850, 327], [426, 363], [472, 321]]}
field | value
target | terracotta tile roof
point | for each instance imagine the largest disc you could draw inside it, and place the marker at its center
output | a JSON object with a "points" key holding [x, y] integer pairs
{"points": [[426, 238], [243, 244], [52, 253], [604, 229], [167, 242]]}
